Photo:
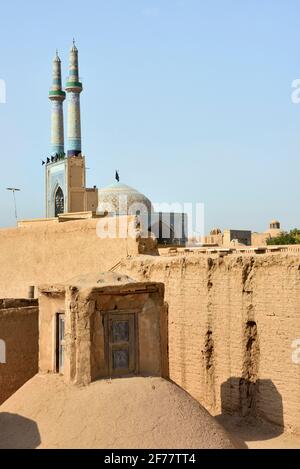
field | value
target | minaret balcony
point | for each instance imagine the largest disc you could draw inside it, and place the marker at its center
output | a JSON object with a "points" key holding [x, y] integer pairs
{"points": [[57, 95], [73, 86]]}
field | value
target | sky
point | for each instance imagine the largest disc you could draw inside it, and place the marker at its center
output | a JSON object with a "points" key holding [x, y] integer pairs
{"points": [[189, 99]]}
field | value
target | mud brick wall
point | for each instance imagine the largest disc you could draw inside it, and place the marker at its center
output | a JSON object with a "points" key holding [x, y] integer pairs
{"points": [[18, 344], [46, 252], [232, 323]]}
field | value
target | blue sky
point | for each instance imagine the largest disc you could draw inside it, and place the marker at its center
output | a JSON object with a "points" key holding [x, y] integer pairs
{"points": [[189, 99]]}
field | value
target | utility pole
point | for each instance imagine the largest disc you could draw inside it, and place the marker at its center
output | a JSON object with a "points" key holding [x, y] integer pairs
{"points": [[14, 190]]}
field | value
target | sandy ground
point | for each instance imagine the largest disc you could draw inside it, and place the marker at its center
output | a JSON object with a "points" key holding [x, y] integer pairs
{"points": [[120, 413], [258, 435]]}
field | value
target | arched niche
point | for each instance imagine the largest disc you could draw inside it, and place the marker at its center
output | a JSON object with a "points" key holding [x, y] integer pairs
{"points": [[59, 202]]}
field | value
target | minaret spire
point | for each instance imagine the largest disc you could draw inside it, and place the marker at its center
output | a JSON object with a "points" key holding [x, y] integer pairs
{"points": [[74, 88], [57, 97]]}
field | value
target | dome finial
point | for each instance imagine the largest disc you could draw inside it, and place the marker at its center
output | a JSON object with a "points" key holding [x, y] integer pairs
{"points": [[117, 177]]}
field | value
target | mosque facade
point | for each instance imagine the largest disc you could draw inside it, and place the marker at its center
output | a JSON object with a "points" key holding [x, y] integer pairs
{"points": [[66, 191]]}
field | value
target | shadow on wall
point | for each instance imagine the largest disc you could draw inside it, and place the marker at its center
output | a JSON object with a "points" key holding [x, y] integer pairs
{"points": [[253, 401], [17, 432]]}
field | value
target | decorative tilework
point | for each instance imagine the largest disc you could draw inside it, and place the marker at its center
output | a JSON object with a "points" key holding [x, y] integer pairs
{"points": [[74, 88], [57, 96]]}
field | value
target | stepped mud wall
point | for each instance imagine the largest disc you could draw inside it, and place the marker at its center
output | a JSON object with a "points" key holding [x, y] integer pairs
{"points": [[50, 252]]}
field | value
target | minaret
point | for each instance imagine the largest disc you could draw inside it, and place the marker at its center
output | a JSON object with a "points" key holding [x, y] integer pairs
{"points": [[57, 96], [74, 88], [65, 189]]}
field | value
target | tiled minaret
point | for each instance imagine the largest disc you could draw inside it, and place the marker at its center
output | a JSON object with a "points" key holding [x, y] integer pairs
{"points": [[66, 190], [57, 97], [74, 88]]}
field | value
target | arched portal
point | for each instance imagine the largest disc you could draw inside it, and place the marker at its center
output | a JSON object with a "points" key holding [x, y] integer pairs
{"points": [[59, 202]]}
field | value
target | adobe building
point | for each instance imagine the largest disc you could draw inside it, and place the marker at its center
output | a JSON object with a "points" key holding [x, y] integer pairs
{"points": [[103, 326], [274, 230], [229, 340], [228, 238], [235, 238]]}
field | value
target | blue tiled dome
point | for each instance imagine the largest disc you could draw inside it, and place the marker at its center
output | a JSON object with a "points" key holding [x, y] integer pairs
{"points": [[122, 199]]}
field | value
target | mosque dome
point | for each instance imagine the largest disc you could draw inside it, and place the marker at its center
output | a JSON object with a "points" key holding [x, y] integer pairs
{"points": [[120, 199]]}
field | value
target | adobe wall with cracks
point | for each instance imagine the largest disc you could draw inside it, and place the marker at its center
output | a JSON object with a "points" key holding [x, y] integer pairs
{"points": [[19, 344], [232, 323]]}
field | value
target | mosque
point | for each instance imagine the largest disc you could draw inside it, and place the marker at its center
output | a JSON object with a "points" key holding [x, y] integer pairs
{"points": [[140, 341], [104, 331], [66, 191]]}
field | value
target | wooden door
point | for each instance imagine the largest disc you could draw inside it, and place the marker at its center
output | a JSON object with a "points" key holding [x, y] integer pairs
{"points": [[121, 332]]}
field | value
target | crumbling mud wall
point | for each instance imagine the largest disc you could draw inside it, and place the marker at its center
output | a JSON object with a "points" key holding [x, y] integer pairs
{"points": [[45, 252], [18, 344], [233, 323]]}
